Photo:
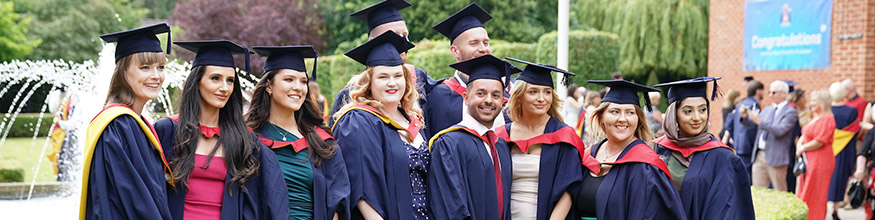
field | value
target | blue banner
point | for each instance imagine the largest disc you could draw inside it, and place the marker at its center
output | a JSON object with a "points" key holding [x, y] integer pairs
{"points": [[787, 34]]}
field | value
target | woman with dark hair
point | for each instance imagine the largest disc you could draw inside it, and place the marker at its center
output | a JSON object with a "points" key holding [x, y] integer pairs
{"points": [[124, 173], [222, 170], [379, 131], [623, 178], [545, 152], [289, 122], [710, 177]]}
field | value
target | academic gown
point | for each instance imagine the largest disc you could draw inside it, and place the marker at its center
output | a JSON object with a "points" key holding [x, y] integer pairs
{"points": [[716, 185], [330, 179], [265, 196], [377, 162], [846, 119], [444, 106], [423, 82], [637, 187], [125, 169], [559, 168], [462, 177]]}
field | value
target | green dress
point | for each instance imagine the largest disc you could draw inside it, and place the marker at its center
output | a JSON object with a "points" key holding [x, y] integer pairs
{"points": [[297, 171]]}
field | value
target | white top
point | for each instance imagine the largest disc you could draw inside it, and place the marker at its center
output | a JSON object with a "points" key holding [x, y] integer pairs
{"points": [[570, 113], [524, 188]]}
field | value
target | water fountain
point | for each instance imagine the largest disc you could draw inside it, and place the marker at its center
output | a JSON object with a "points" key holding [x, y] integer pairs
{"points": [[89, 81]]}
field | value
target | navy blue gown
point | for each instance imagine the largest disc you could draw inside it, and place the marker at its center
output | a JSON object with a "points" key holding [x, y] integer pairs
{"points": [[461, 177], [559, 168], [265, 195], [330, 178], [634, 190], [126, 179], [378, 164], [846, 159], [444, 107], [716, 185]]}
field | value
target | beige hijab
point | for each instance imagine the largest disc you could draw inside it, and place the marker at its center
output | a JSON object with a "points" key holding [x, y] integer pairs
{"points": [[672, 129]]}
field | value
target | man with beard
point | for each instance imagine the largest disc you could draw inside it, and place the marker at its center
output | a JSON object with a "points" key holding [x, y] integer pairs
{"points": [[468, 39], [470, 169]]}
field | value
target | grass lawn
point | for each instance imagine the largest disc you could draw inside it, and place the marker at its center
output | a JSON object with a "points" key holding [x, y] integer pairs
{"points": [[25, 153]]}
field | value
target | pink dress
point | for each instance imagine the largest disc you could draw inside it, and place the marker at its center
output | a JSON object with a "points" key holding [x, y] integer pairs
{"points": [[813, 185], [203, 200]]}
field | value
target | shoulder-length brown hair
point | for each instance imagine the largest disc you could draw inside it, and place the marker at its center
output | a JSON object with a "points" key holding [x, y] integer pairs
{"points": [[307, 118], [120, 91], [360, 94], [515, 103], [641, 132]]}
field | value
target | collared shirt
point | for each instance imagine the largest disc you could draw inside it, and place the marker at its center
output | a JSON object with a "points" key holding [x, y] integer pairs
{"points": [[499, 121], [778, 108], [470, 122]]}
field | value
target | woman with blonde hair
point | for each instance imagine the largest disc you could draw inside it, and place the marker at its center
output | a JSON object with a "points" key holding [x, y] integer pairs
{"points": [[125, 173], [623, 178], [545, 151], [380, 136], [845, 118], [815, 148], [592, 99]]}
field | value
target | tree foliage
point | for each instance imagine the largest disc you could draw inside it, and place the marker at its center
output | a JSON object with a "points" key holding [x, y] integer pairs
{"points": [[159, 9], [70, 29], [666, 38], [13, 41], [250, 23], [514, 20]]}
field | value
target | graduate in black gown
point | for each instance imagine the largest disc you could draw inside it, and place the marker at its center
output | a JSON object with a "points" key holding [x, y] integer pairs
{"points": [[223, 171], [380, 136], [289, 123], [623, 177], [545, 151], [710, 177], [470, 169], [125, 171], [468, 39], [381, 17]]}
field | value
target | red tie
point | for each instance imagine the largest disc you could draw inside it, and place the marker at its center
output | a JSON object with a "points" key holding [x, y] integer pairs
{"points": [[499, 191]]}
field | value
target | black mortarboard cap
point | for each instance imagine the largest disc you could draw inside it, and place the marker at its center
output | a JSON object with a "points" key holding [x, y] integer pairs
{"points": [[486, 67], [791, 84], [698, 87], [288, 57], [215, 52], [748, 78], [384, 12], [138, 40], [469, 17], [383, 50], [541, 74], [625, 92]]}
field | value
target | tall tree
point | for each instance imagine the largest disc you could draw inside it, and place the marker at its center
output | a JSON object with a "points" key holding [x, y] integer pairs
{"points": [[159, 9], [666, 38], [250, 22], [14, 44], [70, 29]]}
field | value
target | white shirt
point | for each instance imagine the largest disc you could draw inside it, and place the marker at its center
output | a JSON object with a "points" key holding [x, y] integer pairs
{"points": [[499, 121], [473, 124], [778, 107]]}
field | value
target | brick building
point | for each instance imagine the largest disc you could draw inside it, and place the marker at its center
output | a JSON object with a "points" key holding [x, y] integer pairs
{"points": [[852, 53]]}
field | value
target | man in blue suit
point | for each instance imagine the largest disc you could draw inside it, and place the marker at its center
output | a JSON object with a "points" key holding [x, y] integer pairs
{"points": [[774, 139], [744, 135]]}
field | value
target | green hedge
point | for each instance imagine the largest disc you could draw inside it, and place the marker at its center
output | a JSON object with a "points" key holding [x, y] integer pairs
{"points": [[10, 172], [775, 205], [25, 123], [592, 54]]}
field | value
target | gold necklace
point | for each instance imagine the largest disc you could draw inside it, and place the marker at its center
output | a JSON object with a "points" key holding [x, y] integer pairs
{"points": [[275, 127]]}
